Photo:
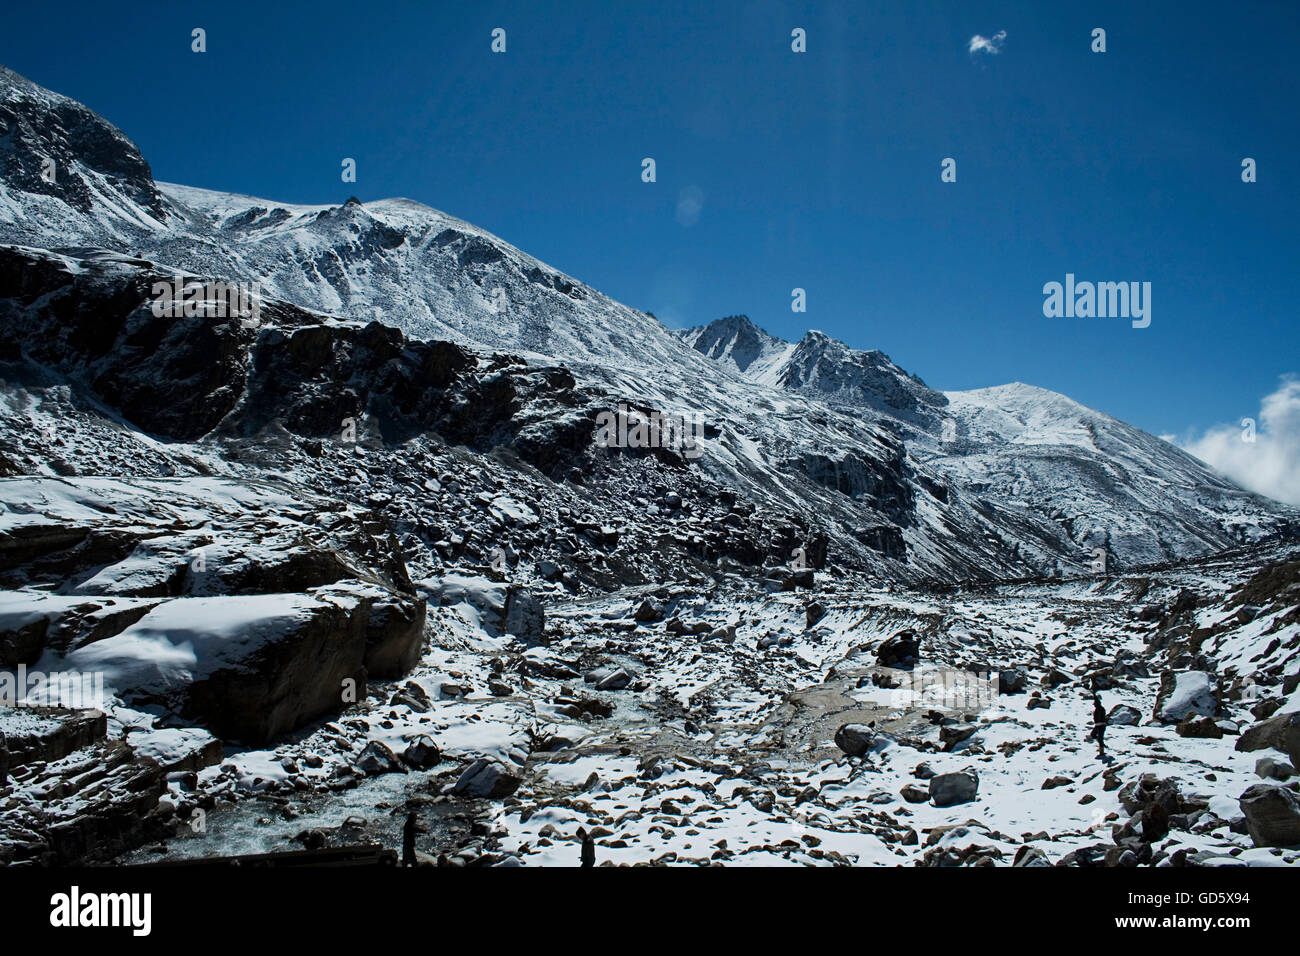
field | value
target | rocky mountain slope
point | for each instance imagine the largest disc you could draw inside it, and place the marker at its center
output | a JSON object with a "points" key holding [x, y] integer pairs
{"points": [[1078, 476], [366, 550]]}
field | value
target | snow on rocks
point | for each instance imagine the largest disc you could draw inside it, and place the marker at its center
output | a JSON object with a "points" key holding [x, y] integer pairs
{"points": [[1186, 692]]}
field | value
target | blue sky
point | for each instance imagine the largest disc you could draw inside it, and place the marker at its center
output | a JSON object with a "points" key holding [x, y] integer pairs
{"points": [[818, 170]]}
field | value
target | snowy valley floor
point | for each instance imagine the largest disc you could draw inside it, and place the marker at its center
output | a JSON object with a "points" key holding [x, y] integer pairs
{"points": [[720, 747]]}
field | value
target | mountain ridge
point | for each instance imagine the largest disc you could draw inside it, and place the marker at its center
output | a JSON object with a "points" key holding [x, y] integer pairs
{"points": [[910, 479]]}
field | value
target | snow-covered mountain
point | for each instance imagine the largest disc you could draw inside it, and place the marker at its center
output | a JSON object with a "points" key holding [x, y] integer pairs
{"points": [[816, 365], [784, 422], [1025, 450]]}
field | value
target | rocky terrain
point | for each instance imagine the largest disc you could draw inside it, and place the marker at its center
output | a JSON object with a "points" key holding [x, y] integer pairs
{"points": [[278, 582]]}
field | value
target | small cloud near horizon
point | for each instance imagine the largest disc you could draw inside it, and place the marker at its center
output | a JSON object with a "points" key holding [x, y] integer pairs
{"points": [[1269, 465], [991, 46]]}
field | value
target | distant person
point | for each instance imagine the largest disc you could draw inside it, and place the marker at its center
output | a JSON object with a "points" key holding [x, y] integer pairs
{"points": [[1099, 725], [409, 831], [588, 847]]}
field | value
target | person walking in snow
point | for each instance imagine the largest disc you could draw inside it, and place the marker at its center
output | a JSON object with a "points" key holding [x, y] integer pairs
{"points": [[1099, 725], [588, 847]]}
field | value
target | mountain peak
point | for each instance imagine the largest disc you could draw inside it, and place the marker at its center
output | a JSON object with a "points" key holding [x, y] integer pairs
{"points": [[61, 150], [734, 340]]}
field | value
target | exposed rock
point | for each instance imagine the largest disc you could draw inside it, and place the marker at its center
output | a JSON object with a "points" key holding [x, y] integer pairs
{"points": [[1122, 715], [1272, 814], [948, 789], [487, 778], [1186, 692], [855, 739], [901, 650], [46, 734], [378, 758]]}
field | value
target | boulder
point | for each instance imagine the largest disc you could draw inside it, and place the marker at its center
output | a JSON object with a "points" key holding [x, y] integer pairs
{"points": [[1030, 856], [248, 668], [487, 778], [1281, 732], [800, 578], [1272, 769], [855, 739], [1186, 692], [1013, 680], [1054, 677], [394, 634], [618, 680], [1194, 725], [1150, 791], [1122, 715], [649, 612], [1272, 815], [914, 794], [524, 616], [814, 612], [952, 734], [378, 758], [725, 634], [949, 789], [901, 650], [421, 753]]}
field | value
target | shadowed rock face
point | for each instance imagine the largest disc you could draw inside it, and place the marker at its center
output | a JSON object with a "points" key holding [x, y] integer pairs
{"points": [[90, 318], [300, 674], [174, 377]]}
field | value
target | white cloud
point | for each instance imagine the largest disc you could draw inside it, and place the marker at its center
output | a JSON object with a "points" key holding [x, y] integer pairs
{"points": [[1270, 464], [989, 45]]}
